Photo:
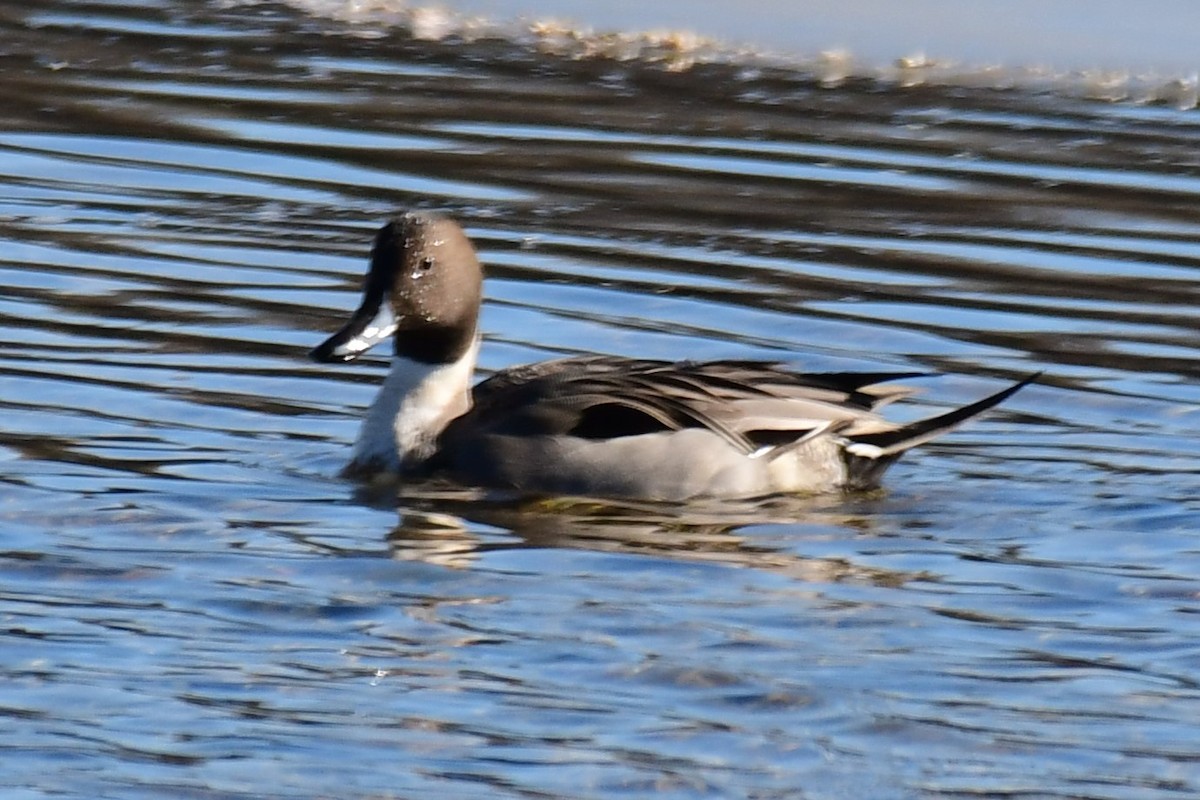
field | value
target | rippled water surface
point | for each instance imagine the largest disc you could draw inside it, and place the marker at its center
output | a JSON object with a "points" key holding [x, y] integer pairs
{"points": [[195, 605]]}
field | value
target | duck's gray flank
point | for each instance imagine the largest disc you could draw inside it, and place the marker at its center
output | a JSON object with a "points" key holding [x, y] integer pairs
{"points": [[599, 425]]}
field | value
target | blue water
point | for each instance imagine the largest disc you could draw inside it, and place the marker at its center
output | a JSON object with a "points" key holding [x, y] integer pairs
{"points": [[195, 605]]}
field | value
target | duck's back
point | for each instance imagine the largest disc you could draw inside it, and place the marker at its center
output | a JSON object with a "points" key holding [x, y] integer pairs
{"points": [[668, 430]]}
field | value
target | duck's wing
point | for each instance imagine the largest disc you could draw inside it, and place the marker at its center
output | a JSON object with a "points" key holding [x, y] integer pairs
{"points": [[751, 404]]}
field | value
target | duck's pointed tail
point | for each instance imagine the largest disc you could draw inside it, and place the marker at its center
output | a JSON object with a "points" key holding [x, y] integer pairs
{"points": [[870, 454]]}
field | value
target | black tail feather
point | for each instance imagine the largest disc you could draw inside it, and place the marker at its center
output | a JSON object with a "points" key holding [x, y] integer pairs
{"points": [[851, 382], [893, 443]]}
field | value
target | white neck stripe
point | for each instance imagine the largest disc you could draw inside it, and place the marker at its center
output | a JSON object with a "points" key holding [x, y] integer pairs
{"points": [[412, 408]]}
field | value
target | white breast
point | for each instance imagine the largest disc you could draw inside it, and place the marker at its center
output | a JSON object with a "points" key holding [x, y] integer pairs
{"points": [[414, 404]]}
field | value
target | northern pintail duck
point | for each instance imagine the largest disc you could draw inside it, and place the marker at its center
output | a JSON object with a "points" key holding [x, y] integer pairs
{"points": [[598, 425]]}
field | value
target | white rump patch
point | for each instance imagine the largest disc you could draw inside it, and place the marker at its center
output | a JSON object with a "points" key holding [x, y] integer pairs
{"points": [[864, 450]]}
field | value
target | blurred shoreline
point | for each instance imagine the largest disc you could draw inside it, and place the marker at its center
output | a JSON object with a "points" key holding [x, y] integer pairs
{"points": [[1054, 34], [1103, 51]]}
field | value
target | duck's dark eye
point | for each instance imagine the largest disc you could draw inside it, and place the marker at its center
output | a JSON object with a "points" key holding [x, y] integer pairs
{"points": [[421, 267]]}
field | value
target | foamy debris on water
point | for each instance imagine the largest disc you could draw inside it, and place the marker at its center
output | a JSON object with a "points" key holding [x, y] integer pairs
{"points": [[680, 50]]}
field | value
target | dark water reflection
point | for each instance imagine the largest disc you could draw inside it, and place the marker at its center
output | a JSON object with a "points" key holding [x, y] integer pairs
{"points": [[193, 605]]}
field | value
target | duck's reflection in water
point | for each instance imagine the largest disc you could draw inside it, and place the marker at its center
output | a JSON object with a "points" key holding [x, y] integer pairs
{"points": [[455, 527]]}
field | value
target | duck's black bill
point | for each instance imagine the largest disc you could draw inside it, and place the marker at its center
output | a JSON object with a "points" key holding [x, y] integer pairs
{"points": [[371, 324]]}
